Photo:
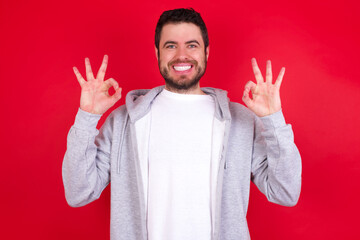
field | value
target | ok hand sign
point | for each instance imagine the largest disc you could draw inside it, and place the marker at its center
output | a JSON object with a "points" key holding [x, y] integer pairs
{"points": [[95, 96], [265, 95]]}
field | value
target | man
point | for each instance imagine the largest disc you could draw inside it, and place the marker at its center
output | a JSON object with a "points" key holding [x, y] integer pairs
{"points": [[179, 157]]}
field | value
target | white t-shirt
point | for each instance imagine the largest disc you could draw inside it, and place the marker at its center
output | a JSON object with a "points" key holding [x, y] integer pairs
{"points": [[180, 180]]}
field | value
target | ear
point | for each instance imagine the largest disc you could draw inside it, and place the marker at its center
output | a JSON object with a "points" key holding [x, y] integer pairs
{"points": [[157, 53], [207, 52]]}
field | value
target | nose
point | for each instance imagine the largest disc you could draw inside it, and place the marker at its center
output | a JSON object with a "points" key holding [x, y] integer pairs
{"points": [[181, 53]]}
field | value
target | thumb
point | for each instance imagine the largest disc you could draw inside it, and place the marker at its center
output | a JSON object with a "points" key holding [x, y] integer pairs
{"points": [[117, 95], [246, 97]]}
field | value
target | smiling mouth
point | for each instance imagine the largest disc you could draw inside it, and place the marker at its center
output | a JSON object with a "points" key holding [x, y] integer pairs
{"points": [[182, 68]]}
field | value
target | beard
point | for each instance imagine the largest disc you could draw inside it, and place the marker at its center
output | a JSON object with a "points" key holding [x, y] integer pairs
{"points": [[182, 83]]}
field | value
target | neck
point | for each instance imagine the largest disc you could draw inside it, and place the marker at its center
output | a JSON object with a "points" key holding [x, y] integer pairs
{"points": [[194, 90]]}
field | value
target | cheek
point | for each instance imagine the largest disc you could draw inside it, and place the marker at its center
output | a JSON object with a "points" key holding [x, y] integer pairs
{"points": [[166, 55], [164, 60], [199, 56]]}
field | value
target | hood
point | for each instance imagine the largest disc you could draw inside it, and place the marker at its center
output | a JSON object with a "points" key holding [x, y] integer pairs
{"points": [[138, 102]]}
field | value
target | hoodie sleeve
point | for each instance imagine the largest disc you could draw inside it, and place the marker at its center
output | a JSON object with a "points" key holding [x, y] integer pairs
{"points": [[276, 163], [86, 164]]}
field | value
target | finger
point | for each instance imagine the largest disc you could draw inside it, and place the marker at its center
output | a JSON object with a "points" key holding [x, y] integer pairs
{"points": [[268, 72], [80, 79], [280, 78], [246, 98], [249, 86], [259, 78], [89, 73], [117, 95], [111, 83], [101, 73]]}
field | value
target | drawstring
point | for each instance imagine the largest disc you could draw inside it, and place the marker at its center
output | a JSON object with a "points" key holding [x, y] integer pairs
{"points": [[226, 139], [122, 143]]}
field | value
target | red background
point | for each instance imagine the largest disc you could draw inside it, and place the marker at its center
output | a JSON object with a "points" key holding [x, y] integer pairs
{"points": [[41, 41]]}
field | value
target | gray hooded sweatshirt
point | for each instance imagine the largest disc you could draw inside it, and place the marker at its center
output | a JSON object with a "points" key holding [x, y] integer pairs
{"points": [[255, 149]]}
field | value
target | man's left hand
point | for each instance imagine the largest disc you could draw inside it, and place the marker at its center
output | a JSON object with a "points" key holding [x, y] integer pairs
{"points": [[265, 95]]}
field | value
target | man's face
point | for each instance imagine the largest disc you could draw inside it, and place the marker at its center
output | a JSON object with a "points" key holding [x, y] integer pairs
{"points": [[181, 56]]}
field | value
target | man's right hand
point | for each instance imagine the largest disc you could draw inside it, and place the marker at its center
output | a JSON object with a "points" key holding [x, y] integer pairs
{"points": [[95, 96]]}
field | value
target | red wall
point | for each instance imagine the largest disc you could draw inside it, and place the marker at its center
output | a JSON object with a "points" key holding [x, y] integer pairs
{"points": [[41, 41]]}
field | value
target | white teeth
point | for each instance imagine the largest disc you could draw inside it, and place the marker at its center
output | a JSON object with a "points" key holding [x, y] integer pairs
{"points": [[182, 68]]}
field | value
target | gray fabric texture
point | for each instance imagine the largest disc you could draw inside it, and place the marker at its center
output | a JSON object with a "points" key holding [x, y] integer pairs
{"points": [[255, 149]]}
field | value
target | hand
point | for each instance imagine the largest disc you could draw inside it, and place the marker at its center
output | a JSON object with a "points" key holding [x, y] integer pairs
{"points": [[95, 96], [265, 95]]}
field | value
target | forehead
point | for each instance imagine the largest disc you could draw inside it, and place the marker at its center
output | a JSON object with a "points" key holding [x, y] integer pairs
{"points": [[181, 32]]}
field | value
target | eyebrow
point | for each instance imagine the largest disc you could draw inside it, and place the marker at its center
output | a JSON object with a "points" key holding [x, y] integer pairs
{"points": [[173, 42], [169, 42], [193, 41]]}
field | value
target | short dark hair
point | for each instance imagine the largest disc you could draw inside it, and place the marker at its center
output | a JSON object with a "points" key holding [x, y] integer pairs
{"points": [[180, 15]]}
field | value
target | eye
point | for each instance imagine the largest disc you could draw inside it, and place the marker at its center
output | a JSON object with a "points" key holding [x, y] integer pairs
{"points": [[170, 46], [192, 46]]}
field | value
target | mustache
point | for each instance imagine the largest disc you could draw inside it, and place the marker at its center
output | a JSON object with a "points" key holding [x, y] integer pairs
{"points": [[192, 62]]}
